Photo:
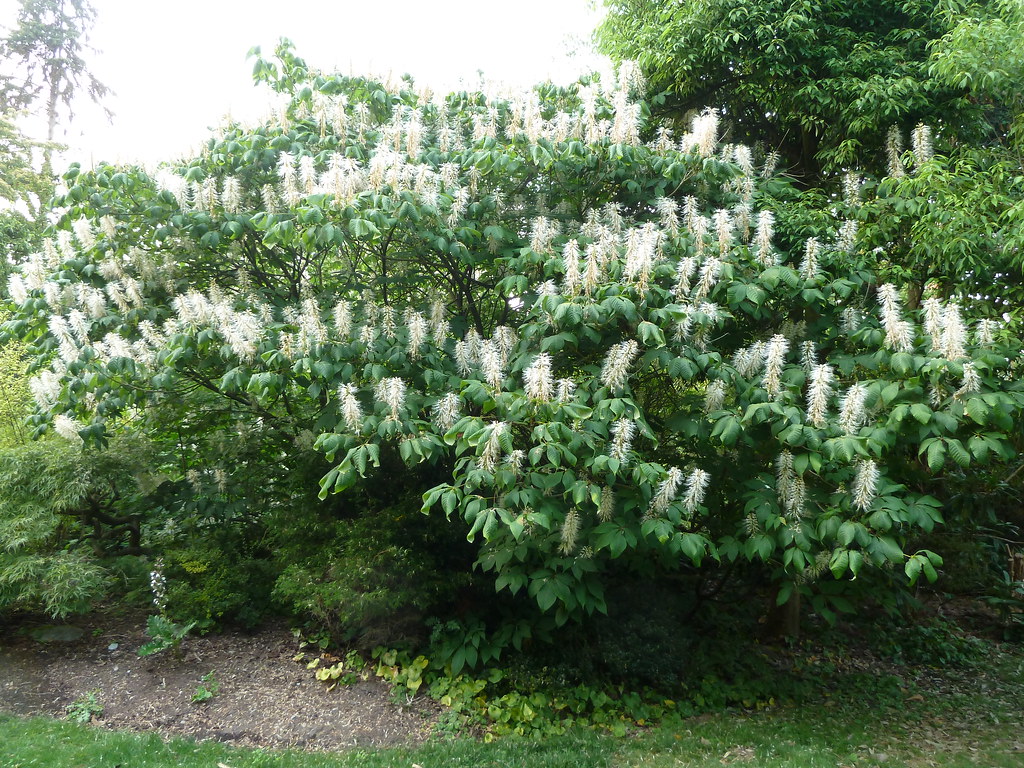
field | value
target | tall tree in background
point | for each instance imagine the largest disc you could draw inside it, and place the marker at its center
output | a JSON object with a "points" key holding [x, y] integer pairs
{"points": [[43, 60], [821, 81]]}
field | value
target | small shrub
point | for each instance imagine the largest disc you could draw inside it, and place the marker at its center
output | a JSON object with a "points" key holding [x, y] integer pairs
{"points": [[85, 708], [208, 688], [165, 635], [933, 643]]}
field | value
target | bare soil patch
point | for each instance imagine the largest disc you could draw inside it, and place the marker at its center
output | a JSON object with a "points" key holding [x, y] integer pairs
{"points": [[265, 698]]}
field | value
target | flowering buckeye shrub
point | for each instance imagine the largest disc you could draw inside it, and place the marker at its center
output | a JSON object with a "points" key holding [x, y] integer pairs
{"points": [[587, 323]]}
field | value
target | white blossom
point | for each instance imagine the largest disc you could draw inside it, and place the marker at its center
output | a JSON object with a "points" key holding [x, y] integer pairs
{"points": [[570, 532], [851, 409], [934, 313], [571, 275], [847, 239], [984, 332], [564, 390], [514, 461], [417, 327], [899, 334], [45, 389], [894, 152], [764, 252], [809, 265], [446, 411], [463, 358], [818, 394], [971, 381], [615, 371], [921, 143], [391, 392], [667, 490], [388, 322], [851, 320], [954, 333], [709, 273], [606, 507], [864, 486], [490, 363], [488, 458], [67, 428], [723, 230], [622, 433], [83, 233], [774, 359], [714, 396], [696, 486], [351, 410], [537, 380], [16, 289], [668, 211], [684, 273], [343, 319], [231, 195], [748, 360]]}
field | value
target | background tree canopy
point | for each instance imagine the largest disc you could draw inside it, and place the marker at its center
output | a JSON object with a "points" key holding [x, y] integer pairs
{"points": [[821, 82]]}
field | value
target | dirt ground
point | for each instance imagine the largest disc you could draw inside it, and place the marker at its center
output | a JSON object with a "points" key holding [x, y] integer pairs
{"points": [[265, 698]]}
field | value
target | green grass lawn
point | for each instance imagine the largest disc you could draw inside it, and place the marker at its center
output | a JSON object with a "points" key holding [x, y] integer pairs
{"points": [[945, 718]]}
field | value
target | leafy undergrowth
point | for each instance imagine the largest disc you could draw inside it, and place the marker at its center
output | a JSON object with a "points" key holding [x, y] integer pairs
{"points": [[868, 715]]}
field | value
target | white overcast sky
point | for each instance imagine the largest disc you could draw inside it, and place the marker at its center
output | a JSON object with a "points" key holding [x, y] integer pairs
{"points": [[178, 67]]}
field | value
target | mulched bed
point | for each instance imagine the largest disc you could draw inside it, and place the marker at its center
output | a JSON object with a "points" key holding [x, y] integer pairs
{"points": [[265, 699]]}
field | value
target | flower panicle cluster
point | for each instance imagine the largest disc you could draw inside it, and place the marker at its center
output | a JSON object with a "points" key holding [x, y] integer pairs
{"points": [[343, 319], [446, 411], [391, 392], [985, 332], [416, 325], [667, 490], [954, 333], [158, 585], [537, 379], [570, 532], [921, 144], [351, 410], [668, 211], [564, 390], [789, 486], [934, 311], [622, 433], [696, 488], [490, 363], [615, 371], [488, 458], [723, 230], [710, 271], [571, 275], [764, 252], [852, 411], [899, 333], [865, 485], [67, 428], [971, 382], [714, 396], [809, 264], [703, 135], [685, 271], [818, 395], [894, 152], [641, 254], [774, 360], [606, 506]]}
